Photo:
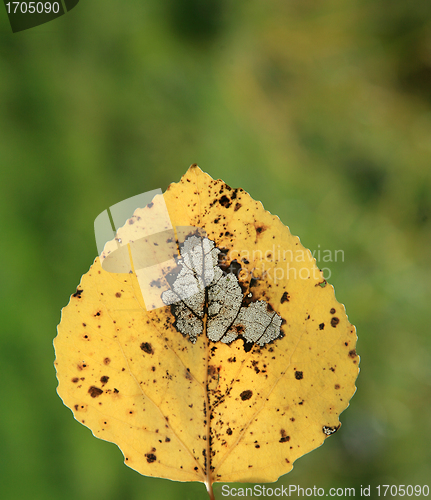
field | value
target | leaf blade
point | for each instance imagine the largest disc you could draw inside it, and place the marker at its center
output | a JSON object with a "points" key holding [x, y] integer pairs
{"points": [[210, 411]]}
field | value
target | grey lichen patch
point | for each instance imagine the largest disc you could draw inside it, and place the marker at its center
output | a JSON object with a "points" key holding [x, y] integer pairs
{"points": [[203, 292], [261, 326]]}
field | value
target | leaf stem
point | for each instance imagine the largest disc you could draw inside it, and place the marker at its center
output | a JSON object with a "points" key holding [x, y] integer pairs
{"points": [[210, 490]]}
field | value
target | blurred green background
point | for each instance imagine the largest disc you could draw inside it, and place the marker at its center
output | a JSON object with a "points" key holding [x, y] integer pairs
{"points": [[320, 109]]}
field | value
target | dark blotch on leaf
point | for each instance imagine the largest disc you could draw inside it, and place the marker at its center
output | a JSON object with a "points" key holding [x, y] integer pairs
{"points": [[94, 391], [118, 295], [299, 375], [284, 437], [77, 293], [321, 326], [352, 353], [151, 458], [284, 298], [247, 345], [246, 395], [229, 431], [234, 267], [147, 348], [334, 322], [332, 311], [253, 282], [106, 361], [224, 201], [104, 379]]}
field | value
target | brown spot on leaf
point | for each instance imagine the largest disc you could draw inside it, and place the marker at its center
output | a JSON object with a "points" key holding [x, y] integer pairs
{"points": [[118, 295], [106, 361], [78, 293], [213, 371], [299, 375], [104, 379], [284, 298], [224, 201], [284, 437], [332, 311], [237, 206], [94, 391], [254, 282], [151, 457], [321, 326], [229, 431], [334, 322], [246, 395], [75, 380], [147, 348], [337, 386], [352, 353]]}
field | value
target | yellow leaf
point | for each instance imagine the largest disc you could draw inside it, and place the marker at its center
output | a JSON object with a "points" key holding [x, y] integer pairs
{"points": [[232, 382]]}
